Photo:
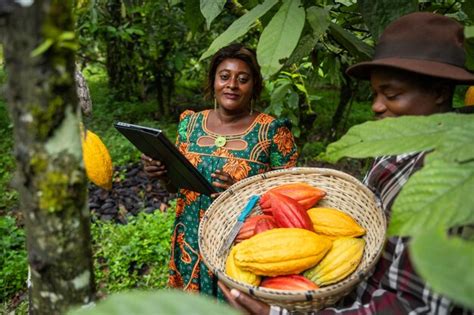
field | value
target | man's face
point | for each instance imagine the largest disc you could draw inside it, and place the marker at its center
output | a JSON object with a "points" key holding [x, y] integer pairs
{"points": [[398, 93]]}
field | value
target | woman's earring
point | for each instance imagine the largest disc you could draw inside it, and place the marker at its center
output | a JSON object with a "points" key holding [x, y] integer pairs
{"points": [[215, 104], [251, 107]]}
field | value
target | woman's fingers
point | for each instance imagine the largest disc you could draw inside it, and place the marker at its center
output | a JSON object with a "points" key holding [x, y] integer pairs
{"points": [[224, 179], [153, 168]]}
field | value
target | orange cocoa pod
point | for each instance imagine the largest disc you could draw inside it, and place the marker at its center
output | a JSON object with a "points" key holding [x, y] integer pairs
{"points": [[264, 225], [248, 228], [288, 213], [469, 98], [289, 282], [305, 194]]}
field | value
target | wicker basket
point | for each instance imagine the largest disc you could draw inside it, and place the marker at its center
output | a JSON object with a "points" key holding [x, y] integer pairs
{"points": [[343, 192]]}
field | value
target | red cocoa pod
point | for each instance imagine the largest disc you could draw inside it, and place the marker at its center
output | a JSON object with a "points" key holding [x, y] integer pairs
{"points": [[288, 213], [248, 228], [305, 194], [289, 282], [264, 225]]}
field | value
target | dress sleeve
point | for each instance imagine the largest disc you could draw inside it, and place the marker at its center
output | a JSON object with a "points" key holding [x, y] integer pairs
{"points": [[184, 118], [283, 151]]}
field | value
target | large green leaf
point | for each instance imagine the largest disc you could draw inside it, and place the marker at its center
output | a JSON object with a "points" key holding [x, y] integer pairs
{"points": [[239, 27], [392, 136], [319, 20], [446, 263], [378, 14], [280, 36], [210, 9], [352, 43], [159, 302], [469, 45], [303, 49], [457, 145], [439, 194], [192, 20]]}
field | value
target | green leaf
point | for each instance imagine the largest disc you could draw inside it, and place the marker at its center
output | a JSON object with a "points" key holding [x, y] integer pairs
{"points": [[304, 48], [352, 43], [457, 143], [66, 36], [468, 8], [319, 20], [239, 27], [210, 9], [469, 45], [392, 136], [280, 91], [44, 46], [192, 20], [440, 194], [378, 14], [446, 264], [293, 100], [280, 36], [160, 302]]}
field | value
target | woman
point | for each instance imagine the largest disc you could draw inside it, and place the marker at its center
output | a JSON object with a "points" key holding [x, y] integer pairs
{"points": [[226, 144], [418, 61]]}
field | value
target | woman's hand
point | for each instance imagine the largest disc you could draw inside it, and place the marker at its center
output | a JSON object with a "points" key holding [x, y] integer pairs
{"points": [[153, 168], [243, 302], [224, 181]]}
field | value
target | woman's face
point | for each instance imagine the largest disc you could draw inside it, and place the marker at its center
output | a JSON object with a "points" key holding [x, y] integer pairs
{"points": [[233, 85], [397, 93]]}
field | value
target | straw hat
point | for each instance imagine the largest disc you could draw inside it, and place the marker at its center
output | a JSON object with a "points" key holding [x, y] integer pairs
{"points": [[421, 42]]}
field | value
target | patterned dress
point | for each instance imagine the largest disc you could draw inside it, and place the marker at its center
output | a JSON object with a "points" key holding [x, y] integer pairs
{"points": [[267, 144]]}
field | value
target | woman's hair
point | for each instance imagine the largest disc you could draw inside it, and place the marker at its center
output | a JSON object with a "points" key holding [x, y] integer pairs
{"points": [[235, 51]]}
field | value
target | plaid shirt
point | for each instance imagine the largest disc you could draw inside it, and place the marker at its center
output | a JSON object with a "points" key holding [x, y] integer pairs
{"points": [[394, 287]]}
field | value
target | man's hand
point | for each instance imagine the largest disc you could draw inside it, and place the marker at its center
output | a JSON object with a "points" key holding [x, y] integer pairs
{"points": [[243, 302]]}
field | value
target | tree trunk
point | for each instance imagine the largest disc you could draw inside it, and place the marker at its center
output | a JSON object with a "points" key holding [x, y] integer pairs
{"points": [[345, 95], [121, 65], [50, 178]]}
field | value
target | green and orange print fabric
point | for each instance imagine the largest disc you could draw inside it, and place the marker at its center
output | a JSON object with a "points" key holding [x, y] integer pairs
{"points": [[266, 145]]}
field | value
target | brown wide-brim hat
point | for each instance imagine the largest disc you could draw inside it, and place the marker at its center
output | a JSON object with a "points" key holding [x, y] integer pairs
{"points": [[423, 43]]}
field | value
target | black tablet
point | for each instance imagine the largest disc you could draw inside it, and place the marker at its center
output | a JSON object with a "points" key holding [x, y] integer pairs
{"points": [[156, 145]]}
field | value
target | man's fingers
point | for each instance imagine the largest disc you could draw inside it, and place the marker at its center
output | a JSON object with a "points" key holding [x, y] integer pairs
{"points": [[251, 304], [230, 298]]}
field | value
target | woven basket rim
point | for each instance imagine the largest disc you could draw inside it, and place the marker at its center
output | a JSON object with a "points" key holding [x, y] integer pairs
{"points": [[341, 287]]}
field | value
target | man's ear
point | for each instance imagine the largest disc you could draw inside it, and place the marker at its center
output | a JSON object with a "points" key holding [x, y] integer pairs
{"points": [[443, 94]]}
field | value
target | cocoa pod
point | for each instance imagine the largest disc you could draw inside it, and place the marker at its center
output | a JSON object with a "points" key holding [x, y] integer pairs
{"points": [[248, 228], [305, 194], [288, 213], [289, 282], [264, 225]]}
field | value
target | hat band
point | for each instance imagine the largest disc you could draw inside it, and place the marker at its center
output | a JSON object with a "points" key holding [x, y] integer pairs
{"points": [[448, 54]]}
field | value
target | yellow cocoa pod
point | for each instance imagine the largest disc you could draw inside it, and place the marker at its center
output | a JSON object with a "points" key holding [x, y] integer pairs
{"points": [[237, 273], [469, 99], [97, 160], [281, 251], [334, 223], [341, 261]]}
